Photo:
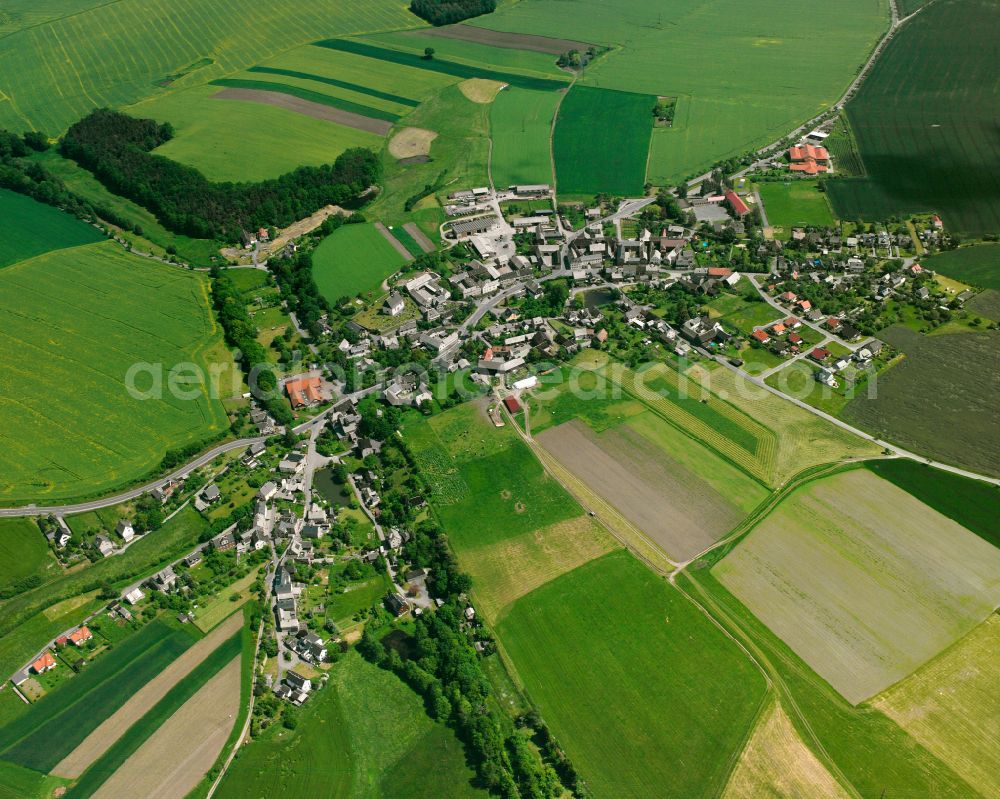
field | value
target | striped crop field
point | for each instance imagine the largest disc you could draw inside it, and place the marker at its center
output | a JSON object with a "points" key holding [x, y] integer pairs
{"points": [[306, 94], [721, 426], [116, 54]]}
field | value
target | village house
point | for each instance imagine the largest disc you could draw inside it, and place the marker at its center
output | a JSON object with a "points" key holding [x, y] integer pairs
{"points": [[80, 636], [44, 663], [394, 304], [103, 545], [303, 392], [134, 596], [125, 530]]}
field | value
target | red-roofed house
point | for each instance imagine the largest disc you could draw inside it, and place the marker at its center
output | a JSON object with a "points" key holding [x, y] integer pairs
{"points": [[787, 296], [739, 207], [761, 336], [819, 354], [792, 322], [794, 338], [834, 323], [45, 663], [62, 640], [916, 269], [303, 392], [805, 305], [809, 159], [81, 636], [512, 404], [777, 328]]}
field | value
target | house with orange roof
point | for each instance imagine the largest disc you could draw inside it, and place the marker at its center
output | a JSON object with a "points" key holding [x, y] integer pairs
{"points": [[805, 305], [787, 296], [777, 328], [81, 636], [45, 663], [760, 336], [809, 159], [303, 392], [739, 207]]}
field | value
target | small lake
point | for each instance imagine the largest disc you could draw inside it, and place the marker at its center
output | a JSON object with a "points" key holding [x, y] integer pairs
{"points": [[333, 492], [595, 298]]}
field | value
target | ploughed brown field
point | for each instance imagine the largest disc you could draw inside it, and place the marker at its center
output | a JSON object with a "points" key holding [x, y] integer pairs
{"points": [[512, 41], [173, 761], [306, 107], [98, 742], [673, 506]]}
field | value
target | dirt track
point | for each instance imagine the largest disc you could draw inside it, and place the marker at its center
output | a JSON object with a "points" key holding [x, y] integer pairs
{"points": [[512, 41], [310, 109], [172, 762], [419, 236], [98, 742]]}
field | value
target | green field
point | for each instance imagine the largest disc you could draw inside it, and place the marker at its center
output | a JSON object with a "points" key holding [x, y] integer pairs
{"points": [[445, 66], [272, 140], [352, 260], [365, 735], [59, 721], [918, 581], [521, 126], [52, 74], [155, 238], [478, 472], [17, 782], [744, 74], [978, 266], [795, 203], [24, 553], [29, 620], [143, 729], [938, 401], [33, 228], [925, 120], [311, 79], [974, 504], [647, 697], [601, 141], [745, 314], [74, 322]]}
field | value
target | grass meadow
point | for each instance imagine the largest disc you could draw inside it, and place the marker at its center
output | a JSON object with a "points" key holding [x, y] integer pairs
{"points": [[77, 62], [978, 266], [601, 141], [521, 126], [646, 696], [946, 706], [24, 553], [354, 259], [939, 400], [59, 721], [919, 581], [365, 735], [744, 73], [74, 322], [924, 121], [271, 140], [795, 203], [39, 229], [155, 238]]}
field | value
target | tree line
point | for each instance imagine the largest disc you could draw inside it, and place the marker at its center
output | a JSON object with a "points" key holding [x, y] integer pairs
{"points": [[118, 149], [447, 12]]}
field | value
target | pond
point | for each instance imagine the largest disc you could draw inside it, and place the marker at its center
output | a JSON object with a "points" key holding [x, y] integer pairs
{"points": [[333, 492], [595, 298]]}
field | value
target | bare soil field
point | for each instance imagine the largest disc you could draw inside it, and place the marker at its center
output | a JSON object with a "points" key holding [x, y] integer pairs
{"points": [[411, 142], [172, 762], [392, 241], [865, 582], [419, 236], [309, 109], [480, 90], [511, 568], [98, 742], [675, 508], [951, 706], [776, 764], [512, 41]]}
